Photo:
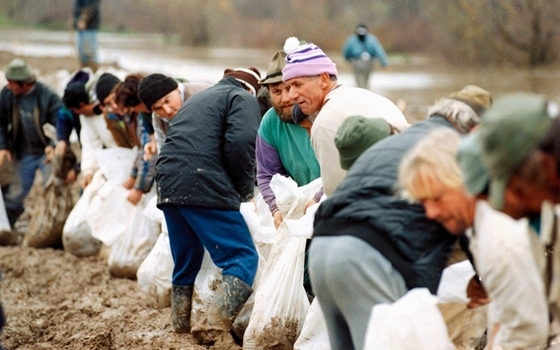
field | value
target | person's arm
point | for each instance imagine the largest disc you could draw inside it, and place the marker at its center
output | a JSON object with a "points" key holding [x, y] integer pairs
{"points": [[146, 172], [378, 51], [90, 144], [347, 50], [242, 124], [4, 121], [268, 164]]}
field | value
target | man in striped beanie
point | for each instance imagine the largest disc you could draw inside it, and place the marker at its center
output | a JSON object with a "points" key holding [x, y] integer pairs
{"points": [[312, 77]]}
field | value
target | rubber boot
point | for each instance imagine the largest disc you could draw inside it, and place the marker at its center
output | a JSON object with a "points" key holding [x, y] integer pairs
{"points": [[229, 298], [181, 303]]}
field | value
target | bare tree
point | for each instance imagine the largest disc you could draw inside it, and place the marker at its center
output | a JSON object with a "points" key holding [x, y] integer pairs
{"points": [[529, 26]]}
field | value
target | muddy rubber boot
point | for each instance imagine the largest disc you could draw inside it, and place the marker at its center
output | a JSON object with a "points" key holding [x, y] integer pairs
{"points": [[229, 298], [181, 302]]}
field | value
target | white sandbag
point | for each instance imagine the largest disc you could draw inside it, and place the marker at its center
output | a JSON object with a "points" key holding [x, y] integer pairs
{"points": [[453, 284], [465, 326], [115, 163], [205, 282], [260, 224], [154, 274], [303, 227], [281, 301], [413, 321], [4, 221], [152, 212], [208, 276], [76, 234], [134, 245], [314, 335], [110, 213]]}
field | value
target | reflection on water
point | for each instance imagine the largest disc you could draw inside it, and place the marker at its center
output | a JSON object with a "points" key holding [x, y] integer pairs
{"points": [[419, 82]]}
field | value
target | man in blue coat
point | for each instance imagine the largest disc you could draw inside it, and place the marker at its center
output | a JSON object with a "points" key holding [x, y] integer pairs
{"points": [[362, 49], [204, 171]]}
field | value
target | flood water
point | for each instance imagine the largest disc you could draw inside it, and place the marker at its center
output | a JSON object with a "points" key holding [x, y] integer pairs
{"points": [[418, 80]]}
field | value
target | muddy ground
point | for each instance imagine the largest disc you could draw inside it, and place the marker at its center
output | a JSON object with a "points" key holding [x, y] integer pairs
{"points": [[54, 300]]}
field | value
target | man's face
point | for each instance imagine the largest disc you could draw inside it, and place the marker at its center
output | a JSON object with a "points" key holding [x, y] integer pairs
{"points": [[110, 105], [18, 89], [308, 92], [84, 109], [453, 208], [168, 106], [522, 198], [280, 100]]}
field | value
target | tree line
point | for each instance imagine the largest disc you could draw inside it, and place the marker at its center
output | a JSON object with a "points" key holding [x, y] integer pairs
{"points": [[468, 32]]}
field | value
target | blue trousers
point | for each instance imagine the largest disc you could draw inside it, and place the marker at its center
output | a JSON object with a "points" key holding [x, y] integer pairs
{"points": [[87, 46], [223, 233], [25, 169]]}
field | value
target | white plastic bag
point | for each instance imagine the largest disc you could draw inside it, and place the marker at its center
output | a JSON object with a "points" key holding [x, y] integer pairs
{"points": [[110, 213], [76, 234], [134, 244], [115, 163], [281, 302], [4, 222], [465, 326], [412, 322], [314, 335], [154, 274]]}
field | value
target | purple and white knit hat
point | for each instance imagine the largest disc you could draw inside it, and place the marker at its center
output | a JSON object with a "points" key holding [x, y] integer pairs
{"points": [[305, 60]]}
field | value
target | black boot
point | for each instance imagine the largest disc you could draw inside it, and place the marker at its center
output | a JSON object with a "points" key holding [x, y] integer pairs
{"points": [[181, 302], [229, 298]]}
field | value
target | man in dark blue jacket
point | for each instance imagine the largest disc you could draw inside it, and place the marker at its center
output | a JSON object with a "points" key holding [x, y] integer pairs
{"points": [[204, 171], [369, 246]]}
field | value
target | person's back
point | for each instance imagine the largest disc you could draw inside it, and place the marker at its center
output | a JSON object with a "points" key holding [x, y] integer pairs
{"points": [[343, 102], [204, 171], [368, 195], [219, 137]]}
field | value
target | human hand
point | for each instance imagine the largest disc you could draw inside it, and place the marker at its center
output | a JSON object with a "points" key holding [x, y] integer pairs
{"points": [[49, 153], [81, 24], [150, 149], [61, 147], [86, 180], [5, 154], [129, 183], [134, 196], [309, 204], [476, 294], [277, 216], [71, 176]]}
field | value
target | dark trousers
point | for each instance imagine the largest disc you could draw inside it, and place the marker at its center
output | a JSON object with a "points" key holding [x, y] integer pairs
{"points": [[223, 233]]}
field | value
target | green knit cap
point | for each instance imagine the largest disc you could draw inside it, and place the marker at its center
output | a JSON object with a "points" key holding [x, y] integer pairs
{"points": [[356, 134]]}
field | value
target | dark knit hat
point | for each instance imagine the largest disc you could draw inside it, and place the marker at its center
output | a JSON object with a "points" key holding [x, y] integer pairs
{"points": [[105, 85], [249, 77], [74, 94], [18, 70], [356, 134], [153, 87]]}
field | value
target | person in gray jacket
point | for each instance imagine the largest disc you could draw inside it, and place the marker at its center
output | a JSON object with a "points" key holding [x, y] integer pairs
{"points": [[369, 246]]}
